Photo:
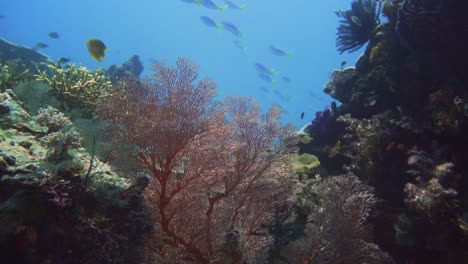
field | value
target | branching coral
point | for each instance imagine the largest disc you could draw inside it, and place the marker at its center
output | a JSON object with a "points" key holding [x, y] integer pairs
{"points": [[357, 25], [9, 78], [76, 86], [210, 172]]}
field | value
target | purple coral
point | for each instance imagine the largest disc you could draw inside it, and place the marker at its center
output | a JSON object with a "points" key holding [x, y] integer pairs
{"points": [[321, 123]]}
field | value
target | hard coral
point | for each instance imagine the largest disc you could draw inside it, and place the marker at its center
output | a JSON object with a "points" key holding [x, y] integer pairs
{"points": [[9, 77], [357, 25], [132, 68], [341, 83], [76, 87], [61, 134], [305, 163]]}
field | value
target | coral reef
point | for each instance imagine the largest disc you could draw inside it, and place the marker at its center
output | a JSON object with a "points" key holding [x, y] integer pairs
{"points": [[31, 58], [18, 64], [76, 87], [340, 84], [9, 78], [212, 174], [48, 212], [61, 135], [336, 229], [401, 128], [132, 68], [305, 163], [436, 33]]}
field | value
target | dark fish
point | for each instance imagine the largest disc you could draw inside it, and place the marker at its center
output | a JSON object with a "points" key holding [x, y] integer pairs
{"points": [[2, 16], [286, 79], [343, 63], [279, 52], [302, 116], [211, 5], [64, 60], [210, 22], [264, 89], [233, 5], [282, 96], [263, 69], [54, 35], [267, 78], [41, 45], [233, 29], [192, 2]]}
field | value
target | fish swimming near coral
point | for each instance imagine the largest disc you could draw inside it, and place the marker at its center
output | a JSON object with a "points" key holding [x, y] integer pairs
{"points": [[64, 60], [286, 79], [211, 5], [302, 116], [233, 29], [40, 45], [96, 49], [279, 52], [54, 35], [335, 150], [343, 63], [233, 5], [210, 22]]}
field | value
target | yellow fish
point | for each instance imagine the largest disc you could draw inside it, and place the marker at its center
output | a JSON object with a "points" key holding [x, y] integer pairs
{"points": [[96, 49], [332, 153]]}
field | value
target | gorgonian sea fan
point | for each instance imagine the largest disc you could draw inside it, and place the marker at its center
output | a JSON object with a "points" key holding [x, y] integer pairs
{"points": [[357, 25]]}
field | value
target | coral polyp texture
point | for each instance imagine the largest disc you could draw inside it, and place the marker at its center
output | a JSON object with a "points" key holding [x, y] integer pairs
{"points": [[357, 25]]}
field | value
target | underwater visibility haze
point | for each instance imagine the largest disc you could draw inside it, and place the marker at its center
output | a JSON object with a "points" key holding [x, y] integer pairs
{"points": [[234, 131], [166, 30]]}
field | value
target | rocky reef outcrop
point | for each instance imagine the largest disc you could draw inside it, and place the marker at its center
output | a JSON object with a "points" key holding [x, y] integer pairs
{"points": [[60, 203], [401, 126]]}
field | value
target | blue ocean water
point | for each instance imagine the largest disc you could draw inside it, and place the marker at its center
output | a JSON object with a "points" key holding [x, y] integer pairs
{"points": [[166, 29]]}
